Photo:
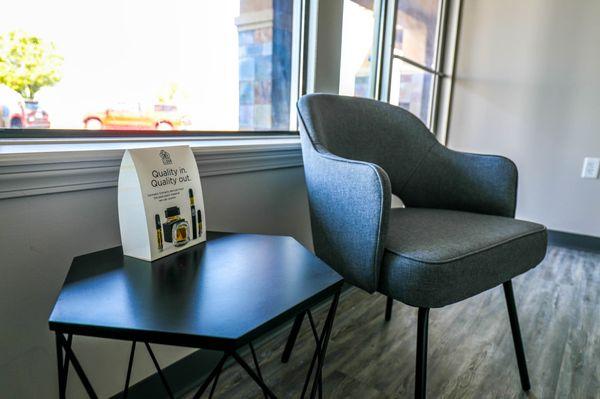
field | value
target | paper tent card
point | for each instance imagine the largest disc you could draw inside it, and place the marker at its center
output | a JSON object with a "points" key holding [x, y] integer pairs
{"points": [[161, 208]]}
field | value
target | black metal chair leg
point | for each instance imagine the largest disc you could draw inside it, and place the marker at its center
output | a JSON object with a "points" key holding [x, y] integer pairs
{"points": [[388, 308], [516, 333], [421, 364], [292, 338]]}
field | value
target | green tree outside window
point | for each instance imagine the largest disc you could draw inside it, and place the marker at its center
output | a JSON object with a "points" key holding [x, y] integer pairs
{"points": [[28, 63]]}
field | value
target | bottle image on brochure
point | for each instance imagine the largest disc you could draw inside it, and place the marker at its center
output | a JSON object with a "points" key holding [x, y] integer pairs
{"points": [[194, 229], [159, 237], [176, 229], [200, 223]]}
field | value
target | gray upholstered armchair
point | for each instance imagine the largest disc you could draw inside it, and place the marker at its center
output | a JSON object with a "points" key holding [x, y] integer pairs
{"points": [[457, 236]]}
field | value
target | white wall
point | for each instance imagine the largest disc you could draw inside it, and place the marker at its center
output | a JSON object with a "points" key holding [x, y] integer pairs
{"points": [[41, 234], [527, 86]]}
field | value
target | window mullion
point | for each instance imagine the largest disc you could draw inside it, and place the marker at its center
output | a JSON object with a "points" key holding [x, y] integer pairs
{"points": [[377, 49], [418, 65], [441, 37], [385, 72]]}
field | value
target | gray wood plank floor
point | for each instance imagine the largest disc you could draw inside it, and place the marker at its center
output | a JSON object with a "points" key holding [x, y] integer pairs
{"points": [[471, 353]]}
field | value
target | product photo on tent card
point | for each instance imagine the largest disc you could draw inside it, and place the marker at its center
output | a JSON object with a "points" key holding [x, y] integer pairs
{"points": [[161, 206]]}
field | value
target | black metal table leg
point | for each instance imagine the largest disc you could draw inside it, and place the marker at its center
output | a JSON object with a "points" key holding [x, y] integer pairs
{"points": [[77, 366], [160, 373], [129, 367], [62, 364], [215, 381], [60, 368], [320, 349], [255, 359], [315, 353], [254, 376], [213, 375], [66, 366], [289, 345], [324, 343]]}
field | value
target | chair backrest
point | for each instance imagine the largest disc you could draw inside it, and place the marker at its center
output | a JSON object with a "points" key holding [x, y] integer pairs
{"points": [[368, 130], [348, 145], [356, 151]]}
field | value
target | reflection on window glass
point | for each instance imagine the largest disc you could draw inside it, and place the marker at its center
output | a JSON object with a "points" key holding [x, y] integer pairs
{"points": [[411, 89], [416, 30], [357, 42], [146, 64]]}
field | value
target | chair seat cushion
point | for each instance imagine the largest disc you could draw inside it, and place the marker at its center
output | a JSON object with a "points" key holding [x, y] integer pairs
{"points": [[436, 257]]}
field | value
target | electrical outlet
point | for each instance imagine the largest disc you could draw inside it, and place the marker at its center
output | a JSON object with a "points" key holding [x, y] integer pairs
{"points": [[591, 167]]}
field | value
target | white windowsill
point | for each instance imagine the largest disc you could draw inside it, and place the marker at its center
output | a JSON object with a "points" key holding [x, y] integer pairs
{"points": [[72, 146], [44, 166]]}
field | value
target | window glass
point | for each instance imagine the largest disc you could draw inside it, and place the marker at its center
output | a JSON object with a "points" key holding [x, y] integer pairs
{"points": [[146, 64], [416, 30], [411, 88], [357, 44]]}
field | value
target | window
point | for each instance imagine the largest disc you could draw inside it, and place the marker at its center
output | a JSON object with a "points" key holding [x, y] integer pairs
{"points": [[416, 30], [412, 89], [414, 56], [199, 65], [392, 50], [357, 44]]}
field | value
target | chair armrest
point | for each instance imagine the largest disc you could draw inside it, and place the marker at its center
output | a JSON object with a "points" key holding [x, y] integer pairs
{"points": [[349, 206], [462, 181]]}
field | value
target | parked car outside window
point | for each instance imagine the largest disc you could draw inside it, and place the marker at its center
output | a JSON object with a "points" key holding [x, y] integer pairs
{"points": [[136, 116]]}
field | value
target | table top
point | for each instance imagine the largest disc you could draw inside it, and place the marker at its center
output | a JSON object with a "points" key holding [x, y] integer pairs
{"points": [[218, 294]]}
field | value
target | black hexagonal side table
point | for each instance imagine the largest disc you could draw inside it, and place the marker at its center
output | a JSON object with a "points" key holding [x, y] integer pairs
{"points": [[220, 295]]}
